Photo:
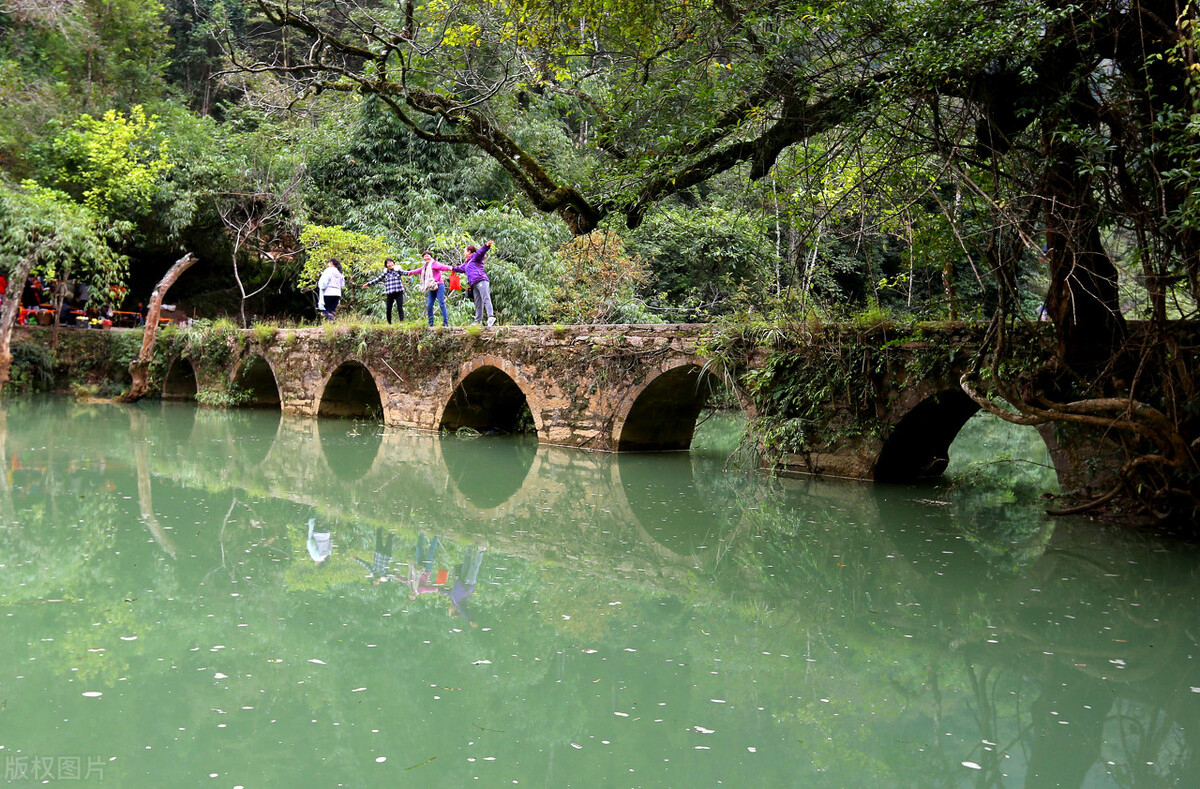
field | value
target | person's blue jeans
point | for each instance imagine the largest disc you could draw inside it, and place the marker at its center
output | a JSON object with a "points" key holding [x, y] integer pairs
{"points": [[426, 551], [468, 571], [440, 295]]}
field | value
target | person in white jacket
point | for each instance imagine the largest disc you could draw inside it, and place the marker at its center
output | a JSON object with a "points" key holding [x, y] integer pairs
{"points": [[329, 288]]}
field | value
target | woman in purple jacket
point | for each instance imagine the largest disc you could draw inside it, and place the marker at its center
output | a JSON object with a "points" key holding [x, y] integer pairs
{"points": [[477, 280]]}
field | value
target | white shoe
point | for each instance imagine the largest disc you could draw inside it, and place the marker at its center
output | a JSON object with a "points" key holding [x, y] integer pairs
{"points": [[492, 321]]}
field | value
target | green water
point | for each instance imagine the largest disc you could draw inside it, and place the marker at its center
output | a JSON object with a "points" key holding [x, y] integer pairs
{"points": [[638, 620]]}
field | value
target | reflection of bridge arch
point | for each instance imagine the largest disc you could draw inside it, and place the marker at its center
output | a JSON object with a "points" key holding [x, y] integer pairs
{"points": [[291, 456], [180, 381], [349, 449], [256, 375], [487, 473], [351, 391], [491, 395], [918, 445], [661, 413]]}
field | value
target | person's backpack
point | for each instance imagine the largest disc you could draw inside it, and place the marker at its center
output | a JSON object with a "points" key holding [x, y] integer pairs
{"points": [[428, 280]]}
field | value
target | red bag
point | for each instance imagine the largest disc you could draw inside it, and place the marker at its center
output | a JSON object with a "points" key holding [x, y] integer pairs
{"points": [[455, 282]]}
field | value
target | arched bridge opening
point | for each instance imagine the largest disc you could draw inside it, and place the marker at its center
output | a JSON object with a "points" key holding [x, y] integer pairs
{"points": [[664, 413], [351, 393], [180, 381], [919, 446], [257, 379], [490, 401]]}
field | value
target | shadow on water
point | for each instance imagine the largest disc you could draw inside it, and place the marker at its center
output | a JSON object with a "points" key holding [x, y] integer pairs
{"points": [[255, 433], [176, 421], [682, 499]]}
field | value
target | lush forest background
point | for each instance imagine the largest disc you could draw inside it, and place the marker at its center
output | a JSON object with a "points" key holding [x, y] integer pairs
{"points": [[149, 121]]}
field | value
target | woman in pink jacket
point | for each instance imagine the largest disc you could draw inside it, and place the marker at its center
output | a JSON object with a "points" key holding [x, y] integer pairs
{"points": [[431, 282]]}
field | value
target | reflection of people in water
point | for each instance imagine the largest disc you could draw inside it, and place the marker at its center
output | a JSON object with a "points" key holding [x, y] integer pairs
{"points": [[464, 582], [320, 543], [427, 550], [383, 556], [421, 579]]}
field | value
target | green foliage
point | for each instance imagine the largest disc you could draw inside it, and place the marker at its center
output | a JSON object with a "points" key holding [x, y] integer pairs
{"points": [[360, 254], [699, 257], [32, 367], [596, 282], [115, 163], [44, 230], [370, 173], [264, 333], [208, 342], [230, 396]]}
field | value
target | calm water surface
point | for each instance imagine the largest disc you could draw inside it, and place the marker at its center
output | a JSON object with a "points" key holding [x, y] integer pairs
{"points": [[637, 620]]}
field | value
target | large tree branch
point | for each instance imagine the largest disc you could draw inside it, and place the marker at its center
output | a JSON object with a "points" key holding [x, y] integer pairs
{"points": [[796, 122], [139, 368]]}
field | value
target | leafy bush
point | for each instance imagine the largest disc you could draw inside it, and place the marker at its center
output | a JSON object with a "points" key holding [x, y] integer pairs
{"points": [[32, 367], [229, 397]]}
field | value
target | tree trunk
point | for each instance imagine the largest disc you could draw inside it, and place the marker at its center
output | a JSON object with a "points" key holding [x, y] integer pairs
{"points": [[139, 368], [56, 303], [1083, 300], [9, 311]]}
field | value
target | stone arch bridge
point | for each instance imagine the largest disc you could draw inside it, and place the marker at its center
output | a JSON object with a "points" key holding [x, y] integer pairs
{"points": [[604, 388]]}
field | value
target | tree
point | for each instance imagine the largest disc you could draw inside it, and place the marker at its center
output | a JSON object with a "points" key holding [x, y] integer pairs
{"points": [[597, 282], [259, 223], [1000, 95], [44, 231], [139, 368], [699, 257], [113, 164]]}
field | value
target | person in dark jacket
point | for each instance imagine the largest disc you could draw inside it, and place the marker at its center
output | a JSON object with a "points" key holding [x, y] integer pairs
{"points": [[393, 288]]}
